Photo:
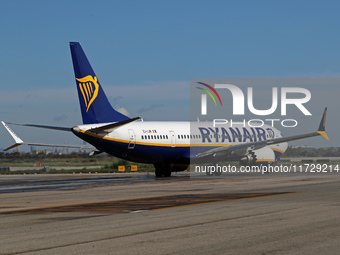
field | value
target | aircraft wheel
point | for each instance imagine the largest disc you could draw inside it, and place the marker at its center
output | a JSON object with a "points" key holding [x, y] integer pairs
{"points": [[162, 170], [167, 173], [158, 172], [218, 173], [208, 173]]}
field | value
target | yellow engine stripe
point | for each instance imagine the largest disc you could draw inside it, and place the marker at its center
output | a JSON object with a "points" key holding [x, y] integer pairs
{"points": [[274, 149], [265, 160]]}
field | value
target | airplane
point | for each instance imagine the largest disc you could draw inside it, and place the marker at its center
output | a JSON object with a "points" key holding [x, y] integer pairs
{"points": [[171, 146]]}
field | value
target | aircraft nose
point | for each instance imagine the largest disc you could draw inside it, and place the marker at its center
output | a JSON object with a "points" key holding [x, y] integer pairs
{"points": [[76, 130]]}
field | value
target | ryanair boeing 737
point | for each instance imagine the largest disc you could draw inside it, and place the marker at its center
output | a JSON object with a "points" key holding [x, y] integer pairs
{"points": [[169, 146]]}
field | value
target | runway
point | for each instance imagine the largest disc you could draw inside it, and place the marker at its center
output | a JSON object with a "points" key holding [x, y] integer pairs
{"points": [[136, 213]]}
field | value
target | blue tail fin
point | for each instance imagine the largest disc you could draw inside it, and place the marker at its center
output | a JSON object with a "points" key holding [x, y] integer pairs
{"points": [[95, 108]]}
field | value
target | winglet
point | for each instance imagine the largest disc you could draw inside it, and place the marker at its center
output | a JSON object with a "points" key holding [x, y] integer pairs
{"points": [[322, 125], [16, 138]]}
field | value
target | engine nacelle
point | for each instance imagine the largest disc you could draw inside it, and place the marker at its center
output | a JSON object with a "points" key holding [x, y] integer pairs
{"points": [[263, 156], [248, 159]]}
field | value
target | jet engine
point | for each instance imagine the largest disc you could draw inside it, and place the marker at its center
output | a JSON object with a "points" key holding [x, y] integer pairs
{"points": [[263, 156]]}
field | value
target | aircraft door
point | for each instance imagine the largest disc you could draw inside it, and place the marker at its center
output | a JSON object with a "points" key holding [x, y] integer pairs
{"points": [[173, 138], [132, 139]]}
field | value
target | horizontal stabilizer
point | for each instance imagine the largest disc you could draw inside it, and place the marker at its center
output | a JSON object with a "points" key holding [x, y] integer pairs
{"points": [[19, 142], [16, 138], [113, 125], [42, 126]]}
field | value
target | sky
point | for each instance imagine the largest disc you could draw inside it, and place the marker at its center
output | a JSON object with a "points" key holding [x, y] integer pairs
{"points": [[146, 52]]}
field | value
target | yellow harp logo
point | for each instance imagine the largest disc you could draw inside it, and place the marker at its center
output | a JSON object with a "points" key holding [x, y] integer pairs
{"points": [[89, 88]]}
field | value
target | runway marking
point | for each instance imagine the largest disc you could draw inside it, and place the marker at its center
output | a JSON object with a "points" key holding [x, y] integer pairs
{"points": [[146, 204]]}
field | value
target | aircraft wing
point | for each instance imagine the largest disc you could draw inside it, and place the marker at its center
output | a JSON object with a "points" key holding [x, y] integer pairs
{"points": [[19, 142], [243, 148]]}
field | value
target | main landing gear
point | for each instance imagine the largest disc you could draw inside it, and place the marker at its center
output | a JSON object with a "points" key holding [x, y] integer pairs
{"points": [[165, 169]]}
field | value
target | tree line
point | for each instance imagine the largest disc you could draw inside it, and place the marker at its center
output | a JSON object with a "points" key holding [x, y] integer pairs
{"points": [[312, 152], [290, 152]]}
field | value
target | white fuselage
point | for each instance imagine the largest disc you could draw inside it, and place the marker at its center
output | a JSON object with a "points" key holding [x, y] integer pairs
{"points": [[144, 141]]}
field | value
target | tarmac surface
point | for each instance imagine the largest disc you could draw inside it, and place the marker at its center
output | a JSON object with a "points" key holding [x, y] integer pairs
{"points": [[136, 213]]}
